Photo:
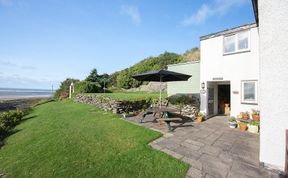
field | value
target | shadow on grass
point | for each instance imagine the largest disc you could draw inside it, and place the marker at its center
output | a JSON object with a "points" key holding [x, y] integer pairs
{"points": [[3, 137], [13, 131], [28, 118]]}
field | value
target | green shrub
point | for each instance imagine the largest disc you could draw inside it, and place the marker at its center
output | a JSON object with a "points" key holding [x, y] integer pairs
{"points": [[8, 120], [181, 99], [63, 91], [87, 87]]}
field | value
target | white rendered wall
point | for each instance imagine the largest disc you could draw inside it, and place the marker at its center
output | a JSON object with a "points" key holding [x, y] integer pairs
{"points": [[273, 31], [233, 68]]}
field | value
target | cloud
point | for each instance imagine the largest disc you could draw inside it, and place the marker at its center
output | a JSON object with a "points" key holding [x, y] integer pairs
{"points": [[132, 12], [6, 63], [17, 81], [218, 7], [14, 65], [6, 3]]}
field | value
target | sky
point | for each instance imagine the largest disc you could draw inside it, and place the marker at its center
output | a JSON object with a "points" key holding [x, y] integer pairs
{"points": [[44, 42]]}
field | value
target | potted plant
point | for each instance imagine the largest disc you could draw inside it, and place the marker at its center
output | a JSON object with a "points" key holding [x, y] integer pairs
{"points": [[245, 115], [200, 116], [253, 127], [232, 122], [256, 115], [243, 126]]}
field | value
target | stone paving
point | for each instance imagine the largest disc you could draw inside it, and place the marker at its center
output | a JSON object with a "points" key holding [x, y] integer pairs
{"points": [[211, 148]]}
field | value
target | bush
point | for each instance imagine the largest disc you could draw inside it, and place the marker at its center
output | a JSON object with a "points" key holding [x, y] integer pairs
{"points": [[63, 91], [181, 99], [87, 87], [8, 120]]}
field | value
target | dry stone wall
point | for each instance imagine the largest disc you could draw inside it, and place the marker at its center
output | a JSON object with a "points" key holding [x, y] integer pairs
{"points": [[119, 107], [109, 104]]}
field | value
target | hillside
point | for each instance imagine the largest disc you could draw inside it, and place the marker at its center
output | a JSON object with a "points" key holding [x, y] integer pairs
{"points": [[123, 79]]}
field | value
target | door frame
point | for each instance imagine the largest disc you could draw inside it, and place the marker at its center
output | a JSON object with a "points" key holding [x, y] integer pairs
{"points": [[214, 85]]}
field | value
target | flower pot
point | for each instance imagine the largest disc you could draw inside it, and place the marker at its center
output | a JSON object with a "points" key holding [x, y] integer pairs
{"points": [[245, 117], [253, 128], [256, 117], [199, 119], [233, 125], [242, 127]]}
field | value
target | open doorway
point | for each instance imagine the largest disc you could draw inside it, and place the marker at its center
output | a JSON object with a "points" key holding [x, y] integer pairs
{"points": [[224, 105]]}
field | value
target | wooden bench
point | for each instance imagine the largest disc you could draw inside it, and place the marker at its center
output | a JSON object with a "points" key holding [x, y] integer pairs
{"points": [[168, 121]]}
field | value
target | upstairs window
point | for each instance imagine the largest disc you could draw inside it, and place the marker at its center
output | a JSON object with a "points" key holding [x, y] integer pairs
{"points": [[236, 43], [229, 44], [243, 40]]}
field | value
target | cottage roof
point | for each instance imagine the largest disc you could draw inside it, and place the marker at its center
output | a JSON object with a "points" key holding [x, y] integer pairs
{"points": [[255, 8], [229, 31]]}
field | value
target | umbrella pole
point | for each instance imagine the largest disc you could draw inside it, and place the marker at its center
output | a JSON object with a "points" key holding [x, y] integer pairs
{"points": [[160, 91]]}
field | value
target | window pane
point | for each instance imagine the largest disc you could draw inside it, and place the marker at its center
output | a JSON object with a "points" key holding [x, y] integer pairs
{"points": [[229, 44], [249, 91], [243, 40]]}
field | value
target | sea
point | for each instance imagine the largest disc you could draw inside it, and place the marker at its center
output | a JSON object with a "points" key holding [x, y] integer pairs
{"points": [[18, 93]]}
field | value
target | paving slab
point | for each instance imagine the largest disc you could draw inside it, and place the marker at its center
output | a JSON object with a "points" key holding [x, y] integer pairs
{"points": [[187, 152], [194, 173], [214, 166], [194, 163], [211, 150], [172, 153]]}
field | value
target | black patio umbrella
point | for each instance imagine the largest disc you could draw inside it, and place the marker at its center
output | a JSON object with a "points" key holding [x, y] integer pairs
{"points": [[162, 76]]}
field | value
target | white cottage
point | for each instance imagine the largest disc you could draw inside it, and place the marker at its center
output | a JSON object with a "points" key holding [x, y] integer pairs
{"points": [[229, 71]]}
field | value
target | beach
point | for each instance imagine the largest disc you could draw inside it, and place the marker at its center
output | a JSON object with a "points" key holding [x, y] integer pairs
{"points": [[13, 98], [21, 103]]}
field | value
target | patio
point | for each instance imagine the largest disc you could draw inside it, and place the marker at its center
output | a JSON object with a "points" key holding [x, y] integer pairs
{"points": [[211, 148]]}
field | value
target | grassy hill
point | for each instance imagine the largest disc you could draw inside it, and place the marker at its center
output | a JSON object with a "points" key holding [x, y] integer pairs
{"points": [[123, 79]]}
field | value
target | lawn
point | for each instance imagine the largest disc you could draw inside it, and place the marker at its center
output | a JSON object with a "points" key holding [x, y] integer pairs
{"points": [[132, 96], [65, 139]]}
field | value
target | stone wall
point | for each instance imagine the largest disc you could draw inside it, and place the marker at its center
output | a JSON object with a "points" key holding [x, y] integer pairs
{"points": [[120, 107], [109, 104]]}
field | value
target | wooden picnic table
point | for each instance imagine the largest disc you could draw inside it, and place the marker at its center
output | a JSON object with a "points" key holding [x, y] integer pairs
{"points": [[164, 115]]}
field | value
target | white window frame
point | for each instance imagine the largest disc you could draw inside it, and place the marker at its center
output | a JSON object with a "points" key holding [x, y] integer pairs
{"points": [[236, 43], [243, 101]]}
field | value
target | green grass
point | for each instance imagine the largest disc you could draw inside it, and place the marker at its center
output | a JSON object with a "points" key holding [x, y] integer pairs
{"points": [[132, 96], [65, 139]]}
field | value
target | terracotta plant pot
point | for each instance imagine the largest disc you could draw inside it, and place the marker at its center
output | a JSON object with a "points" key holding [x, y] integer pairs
{"points": [[199, 119], [256, 117], [242, 127], [245, 116]]}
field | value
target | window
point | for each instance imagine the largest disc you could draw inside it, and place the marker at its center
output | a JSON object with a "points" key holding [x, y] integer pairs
{"points": [[243, 40], [249, 92], [229, 44], [236, 43]]}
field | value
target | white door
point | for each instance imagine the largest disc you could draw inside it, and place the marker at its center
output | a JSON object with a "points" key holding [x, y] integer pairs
{"points": [[211, 100]]}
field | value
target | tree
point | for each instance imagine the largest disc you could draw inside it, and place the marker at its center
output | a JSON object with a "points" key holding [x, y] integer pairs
{"points": [[93, 76], [124, 79]]}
